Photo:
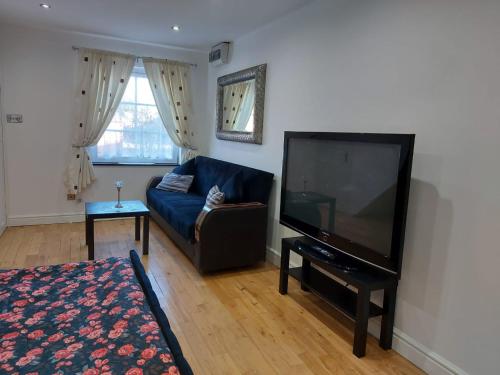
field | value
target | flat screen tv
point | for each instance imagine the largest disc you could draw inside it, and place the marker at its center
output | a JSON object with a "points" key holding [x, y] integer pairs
{"points": [[349, 192]]}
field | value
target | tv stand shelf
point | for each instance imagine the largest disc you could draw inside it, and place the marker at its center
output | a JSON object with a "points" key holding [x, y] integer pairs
{"points": [[335, 294], [356, 306]]}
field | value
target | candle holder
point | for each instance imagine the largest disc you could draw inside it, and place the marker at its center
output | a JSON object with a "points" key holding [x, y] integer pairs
{"points": [[118, 185]]}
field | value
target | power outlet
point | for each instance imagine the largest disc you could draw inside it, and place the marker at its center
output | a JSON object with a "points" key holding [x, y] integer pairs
{"points": [[71, 197], [14, 118]]}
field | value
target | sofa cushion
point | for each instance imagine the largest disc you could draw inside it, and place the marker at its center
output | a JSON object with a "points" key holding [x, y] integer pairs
{"points": [[176, 182], [209, 172], [180, 210], [233, 189], [187, 168], [215, 196]]}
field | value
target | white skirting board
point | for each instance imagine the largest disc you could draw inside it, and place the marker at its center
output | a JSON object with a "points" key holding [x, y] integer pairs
{"points": [[424, 358], [16, 221]]}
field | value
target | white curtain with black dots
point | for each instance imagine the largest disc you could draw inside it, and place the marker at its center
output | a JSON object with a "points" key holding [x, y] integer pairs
{"points": [[102, 80], [234, 96], [171, 86], [246, 108]]}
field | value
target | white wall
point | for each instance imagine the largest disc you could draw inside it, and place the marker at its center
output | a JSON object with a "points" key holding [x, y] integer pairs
{"points": [[430, 67], [38, 81]]}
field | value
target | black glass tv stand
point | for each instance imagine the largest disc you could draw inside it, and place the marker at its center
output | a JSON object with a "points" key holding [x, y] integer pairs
{"points": [[355, 305]]}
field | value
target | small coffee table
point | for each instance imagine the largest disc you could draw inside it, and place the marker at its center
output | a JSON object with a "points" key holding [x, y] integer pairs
{"points": [[107, 210]]}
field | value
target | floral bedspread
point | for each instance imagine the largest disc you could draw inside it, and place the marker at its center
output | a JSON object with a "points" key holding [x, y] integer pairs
{"points": [[79, 318]]}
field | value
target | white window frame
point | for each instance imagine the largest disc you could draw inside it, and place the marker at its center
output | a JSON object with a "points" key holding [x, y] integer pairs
{"points": [[138, 71]]}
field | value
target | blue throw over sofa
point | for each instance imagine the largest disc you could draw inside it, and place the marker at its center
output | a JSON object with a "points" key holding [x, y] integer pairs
{"points": [[229, 237]]}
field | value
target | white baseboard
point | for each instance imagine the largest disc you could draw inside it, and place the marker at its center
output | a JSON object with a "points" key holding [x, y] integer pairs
{"points": [[418, 354], [423, 357], [16, 221]]}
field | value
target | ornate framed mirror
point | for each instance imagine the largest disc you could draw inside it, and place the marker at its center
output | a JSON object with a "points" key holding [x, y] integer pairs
{"points": [[240, 105]]}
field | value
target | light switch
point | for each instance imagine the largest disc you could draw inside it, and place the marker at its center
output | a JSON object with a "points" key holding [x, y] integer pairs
{"points": [[14, 119]]}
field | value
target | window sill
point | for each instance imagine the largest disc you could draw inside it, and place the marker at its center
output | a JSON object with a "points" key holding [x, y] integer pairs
{"points": [[97, 164]]}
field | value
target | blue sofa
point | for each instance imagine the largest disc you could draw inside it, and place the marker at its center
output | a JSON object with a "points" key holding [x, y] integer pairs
{"points": [[229, 237]]}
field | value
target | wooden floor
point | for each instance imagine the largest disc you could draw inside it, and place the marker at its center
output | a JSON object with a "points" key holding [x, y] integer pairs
{"points": [[229, 323]]}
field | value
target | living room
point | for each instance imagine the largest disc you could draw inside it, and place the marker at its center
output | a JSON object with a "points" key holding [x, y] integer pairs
{"points": [[422, 68]]}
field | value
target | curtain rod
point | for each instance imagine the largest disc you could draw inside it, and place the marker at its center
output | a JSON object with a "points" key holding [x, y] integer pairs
{"points": [[144, 57]]}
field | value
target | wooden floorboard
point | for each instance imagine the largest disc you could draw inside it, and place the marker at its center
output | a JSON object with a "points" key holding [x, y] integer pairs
{"points": [[233, 322]]}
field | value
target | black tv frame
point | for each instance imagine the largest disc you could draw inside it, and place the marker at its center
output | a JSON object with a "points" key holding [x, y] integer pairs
{"points": [[391, 264]]}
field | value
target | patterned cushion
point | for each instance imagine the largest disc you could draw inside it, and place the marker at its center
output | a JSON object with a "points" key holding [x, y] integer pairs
{"points": [[215, 196], [175, 182]]}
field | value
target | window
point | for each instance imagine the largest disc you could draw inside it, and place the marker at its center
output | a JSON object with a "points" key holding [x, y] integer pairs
{"points": [[136, 134]]}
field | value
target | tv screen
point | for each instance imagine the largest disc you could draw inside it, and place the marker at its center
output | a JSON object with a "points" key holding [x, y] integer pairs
{"points": [[343, 187]]}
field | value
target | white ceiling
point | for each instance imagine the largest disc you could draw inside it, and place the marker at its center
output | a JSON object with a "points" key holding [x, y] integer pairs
{"points": [[203, 22]]}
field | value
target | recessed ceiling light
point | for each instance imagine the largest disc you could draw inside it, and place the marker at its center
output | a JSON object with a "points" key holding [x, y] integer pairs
{"points": [[45, 6], [176, 28]]}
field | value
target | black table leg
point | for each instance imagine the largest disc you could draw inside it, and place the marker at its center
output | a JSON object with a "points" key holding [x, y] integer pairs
{"points": [[361, 328], [86, 230], [90, 237], [386, 331], [285, 266], [137, 228], [145, 236], [306, 272]]}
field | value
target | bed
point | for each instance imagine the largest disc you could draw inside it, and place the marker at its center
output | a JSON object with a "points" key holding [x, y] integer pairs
{"points": [[94, 317]]}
